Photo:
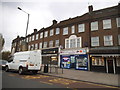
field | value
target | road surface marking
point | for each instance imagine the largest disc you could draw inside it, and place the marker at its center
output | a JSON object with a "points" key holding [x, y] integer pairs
{"points": [[46, 83]]}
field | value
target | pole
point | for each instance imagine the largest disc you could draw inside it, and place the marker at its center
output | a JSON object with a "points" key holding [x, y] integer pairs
{"points": [[27, 26]]}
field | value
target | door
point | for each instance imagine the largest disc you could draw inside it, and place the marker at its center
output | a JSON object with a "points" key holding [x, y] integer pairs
{"points": [[72, 58], [110, 66]]}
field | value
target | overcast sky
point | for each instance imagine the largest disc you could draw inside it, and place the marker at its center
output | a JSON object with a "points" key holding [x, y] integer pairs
{"points": [[13, 21]]}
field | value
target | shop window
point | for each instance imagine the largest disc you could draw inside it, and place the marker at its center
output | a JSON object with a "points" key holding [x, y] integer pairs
{"points": [[118, 61], [98, 61]]}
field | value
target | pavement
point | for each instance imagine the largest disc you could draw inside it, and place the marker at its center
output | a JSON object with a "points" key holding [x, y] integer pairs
{"points": [[87, 76]]}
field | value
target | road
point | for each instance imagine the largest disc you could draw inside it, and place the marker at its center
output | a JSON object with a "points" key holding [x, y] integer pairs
{"points": [[14, 80]]}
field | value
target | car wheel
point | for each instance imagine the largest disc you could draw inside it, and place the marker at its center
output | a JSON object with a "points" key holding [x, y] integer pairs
{"points": [[20, 71], [6, 69]]}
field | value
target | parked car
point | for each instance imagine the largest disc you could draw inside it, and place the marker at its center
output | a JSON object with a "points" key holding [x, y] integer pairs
{"points": [[3, 64], [25, 61]]}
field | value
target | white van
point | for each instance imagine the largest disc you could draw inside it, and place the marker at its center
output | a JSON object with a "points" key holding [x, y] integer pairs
{"points": [[25, 61]]}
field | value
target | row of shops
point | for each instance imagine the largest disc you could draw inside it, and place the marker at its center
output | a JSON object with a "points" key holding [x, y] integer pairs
{"points": [[82, 59]]}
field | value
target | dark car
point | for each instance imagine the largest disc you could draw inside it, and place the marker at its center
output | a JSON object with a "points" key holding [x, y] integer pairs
{"points": [[3, 64]]}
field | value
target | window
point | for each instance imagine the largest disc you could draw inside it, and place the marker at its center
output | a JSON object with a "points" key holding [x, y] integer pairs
{"points": [[37, 36], [118, 22], [45, 45], [65, 30], [29, 47], [119, 39], [73, 42], [94, 41], [41, 35], [50, 43], [51, 32], [118, 61], [36, 46], [56, 43], [33, 38], [108, 41], [66, 43], [73, 29], [57, 31], [81, 27], [94, 26], [29, 39], [46, 34], [107, 24], [32, 47], [40, 45], [98, 61]]}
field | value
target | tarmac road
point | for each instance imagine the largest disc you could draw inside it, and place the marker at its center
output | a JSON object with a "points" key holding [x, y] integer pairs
{"points": [[14, 80]]}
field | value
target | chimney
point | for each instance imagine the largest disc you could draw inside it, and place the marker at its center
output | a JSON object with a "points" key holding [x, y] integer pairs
{"points": [[35, 30], [90, 8], [54, 22]]}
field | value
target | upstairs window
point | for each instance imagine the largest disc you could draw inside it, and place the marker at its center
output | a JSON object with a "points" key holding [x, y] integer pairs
{"points": [[45, 45], [65, 31], [33, 38], [94, 26], [46, 34], [81, 27], [36, 46], [41, 35], [56, 43], [37, 36], [119, 39], [108, 40], [94, 41], [57, 31], [118, 22], [107, 24], [40, 45], [51, 32], [73, 29], [29, 39], [50, 43]]}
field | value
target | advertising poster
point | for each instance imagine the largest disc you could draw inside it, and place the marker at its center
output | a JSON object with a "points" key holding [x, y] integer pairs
{"points": [[65, 63], [82, 62]]}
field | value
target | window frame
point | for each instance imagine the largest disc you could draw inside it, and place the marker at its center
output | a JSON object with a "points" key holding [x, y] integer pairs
{"points": [[93, 41], [65, 31], [94, 26], [107, 24], [81, 27], [105, 41]]}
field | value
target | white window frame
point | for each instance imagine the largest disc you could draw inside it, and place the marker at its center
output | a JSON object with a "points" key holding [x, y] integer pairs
{"points": [[72, 29], [37, 35], [33, 37], [56, 43], [108, 41], [51, 32], [41, 35], [107, 24], [65, 31], [118, 21], [57, 31], [29, 47], [30, 39], [77, 44], [40, 45], [81, 27], [36, 46], [95, 41], [94, 26], [46, 34], [45, 45], [51, 43]]}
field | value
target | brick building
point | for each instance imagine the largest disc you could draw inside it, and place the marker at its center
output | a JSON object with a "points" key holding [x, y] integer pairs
{"points": [[87, 42]]}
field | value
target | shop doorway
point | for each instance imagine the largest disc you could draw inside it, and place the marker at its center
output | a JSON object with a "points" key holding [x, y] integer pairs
{"points": [[110, 66]]}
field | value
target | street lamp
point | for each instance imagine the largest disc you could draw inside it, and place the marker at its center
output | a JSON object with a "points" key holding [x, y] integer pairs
{"points": [[27, 21]]}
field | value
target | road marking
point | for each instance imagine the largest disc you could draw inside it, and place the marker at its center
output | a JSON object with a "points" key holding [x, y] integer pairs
{"points": [[34, 77], [46, 83], [12, 75]]}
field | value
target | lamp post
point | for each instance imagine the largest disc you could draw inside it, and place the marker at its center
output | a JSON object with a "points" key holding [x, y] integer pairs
{"points": [[27, 21]]}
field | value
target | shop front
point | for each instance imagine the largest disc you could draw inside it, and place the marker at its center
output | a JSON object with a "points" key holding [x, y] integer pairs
{"points": [[108, 63], [76, 59], [50, 56]]}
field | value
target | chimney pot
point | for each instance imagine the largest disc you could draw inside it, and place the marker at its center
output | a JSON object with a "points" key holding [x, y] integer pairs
{"points": [[90, 8], [54, 22], [35, 30]]}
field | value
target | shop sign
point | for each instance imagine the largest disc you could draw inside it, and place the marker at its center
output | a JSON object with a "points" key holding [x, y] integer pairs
{"points": [[81, 51]]}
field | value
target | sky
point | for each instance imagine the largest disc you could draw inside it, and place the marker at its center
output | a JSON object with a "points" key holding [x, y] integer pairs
{"points": [[13, 22]]}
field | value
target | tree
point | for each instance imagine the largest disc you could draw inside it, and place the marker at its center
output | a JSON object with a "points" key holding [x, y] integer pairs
{"points": [[6, 55], [2, 41]]}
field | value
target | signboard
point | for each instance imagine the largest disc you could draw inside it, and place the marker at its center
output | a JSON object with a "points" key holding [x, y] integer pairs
{"points": [[81, 51]]}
